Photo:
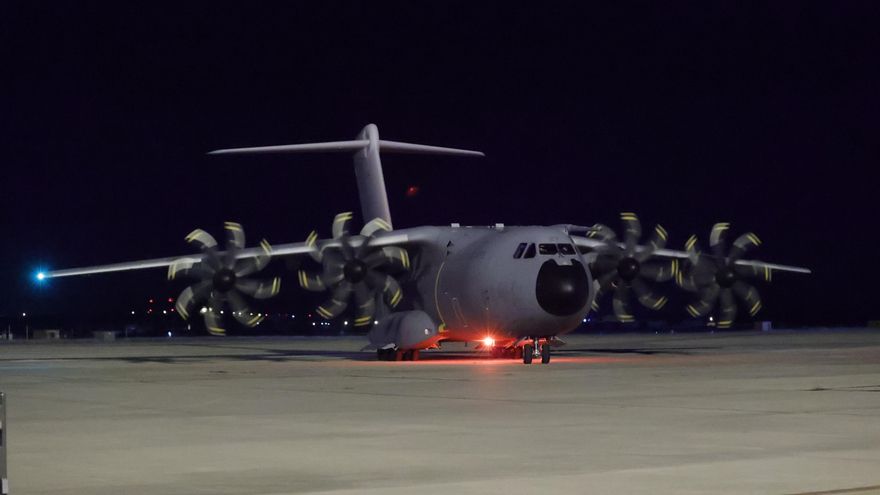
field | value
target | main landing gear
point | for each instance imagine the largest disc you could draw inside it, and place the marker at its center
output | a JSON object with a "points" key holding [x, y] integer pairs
{"points": [[536, 349], [397, 355]]}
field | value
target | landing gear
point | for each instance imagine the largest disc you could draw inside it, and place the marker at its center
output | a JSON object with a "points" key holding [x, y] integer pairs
{"points": [[536, 349], [397, 355]]}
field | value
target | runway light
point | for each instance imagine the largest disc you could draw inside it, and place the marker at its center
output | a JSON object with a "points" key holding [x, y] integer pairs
{"points": [[489, 342], [345, 322], [41, 276], [169, 334]]}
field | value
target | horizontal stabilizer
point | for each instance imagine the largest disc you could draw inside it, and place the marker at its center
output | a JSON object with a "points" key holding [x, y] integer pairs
{"points": [[353, 145]]}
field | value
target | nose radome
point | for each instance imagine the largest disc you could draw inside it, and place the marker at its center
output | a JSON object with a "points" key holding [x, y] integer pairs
{"points": [[562, 290]]}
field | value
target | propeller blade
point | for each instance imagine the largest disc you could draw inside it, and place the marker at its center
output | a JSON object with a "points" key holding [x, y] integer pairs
{"points": [[646, 297], [606, 280], [657, 241], [633, 231], [248, 266], [751, 271], [201, 239], [190, 295], [312, 242], [212, 319], [706, 302], [366, 305], [341, 223], [338, 302], [744, 244], [693, 250], [241, 311], [391, 257], [603, 233], [234, 242], [716, 239], [184, 267], [260, 289], [749, 295], [620, 304], [392, 291], [375, 225], [728, 309], [658, 272]]}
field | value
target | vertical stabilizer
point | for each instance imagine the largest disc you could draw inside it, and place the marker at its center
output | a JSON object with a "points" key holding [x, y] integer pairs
{"points": [[367, 164], [370, 179]]}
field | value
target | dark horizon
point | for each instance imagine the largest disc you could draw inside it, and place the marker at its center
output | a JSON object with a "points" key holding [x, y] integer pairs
{"points": [[764, 116]]}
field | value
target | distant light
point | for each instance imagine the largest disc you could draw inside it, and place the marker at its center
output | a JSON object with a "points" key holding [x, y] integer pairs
{"points": [[489, 342], [313, 323], [585, 320], [164, 312], [170, 299], [375, 322], [203, 310], [151, 301], [170, 334], [345, 322], [41, 276], [23, 315], [132, 312], [412, 191], [711, 319]]}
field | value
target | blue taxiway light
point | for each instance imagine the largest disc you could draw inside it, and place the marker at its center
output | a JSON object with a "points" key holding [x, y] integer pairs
{"points": [[41, 276]]}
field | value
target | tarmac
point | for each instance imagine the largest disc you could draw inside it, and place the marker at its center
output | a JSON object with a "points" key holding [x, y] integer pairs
{"points": [[761, 412]]}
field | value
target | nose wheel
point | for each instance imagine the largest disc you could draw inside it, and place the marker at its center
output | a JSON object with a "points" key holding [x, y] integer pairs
{"points": [[536, 350]]}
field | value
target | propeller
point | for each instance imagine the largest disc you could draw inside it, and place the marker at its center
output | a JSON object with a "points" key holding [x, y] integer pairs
{"points": [[221, 279], [355, 270], [626, 267], [716, 278]]}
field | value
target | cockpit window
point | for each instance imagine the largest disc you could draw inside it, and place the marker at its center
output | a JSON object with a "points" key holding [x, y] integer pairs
{"points": [[547, 248], [530, 251], [566, 249], [519, 251]]}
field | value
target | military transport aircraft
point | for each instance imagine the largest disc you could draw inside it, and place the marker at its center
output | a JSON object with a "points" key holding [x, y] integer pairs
{"points": [[514, 290]]}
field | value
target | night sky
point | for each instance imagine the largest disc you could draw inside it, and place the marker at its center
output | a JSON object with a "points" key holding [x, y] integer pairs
{"points": [[687, 113]]}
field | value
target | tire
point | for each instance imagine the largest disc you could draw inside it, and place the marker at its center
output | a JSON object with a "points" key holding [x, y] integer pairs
{"points": [[527, 354], [545, 353], [415, 355]]}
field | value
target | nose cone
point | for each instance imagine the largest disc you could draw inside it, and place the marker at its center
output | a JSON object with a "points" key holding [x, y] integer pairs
{"points": [[562, 290]]}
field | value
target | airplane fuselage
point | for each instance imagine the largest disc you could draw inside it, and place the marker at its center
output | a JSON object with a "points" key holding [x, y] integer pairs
{"points": [[506, 283]]}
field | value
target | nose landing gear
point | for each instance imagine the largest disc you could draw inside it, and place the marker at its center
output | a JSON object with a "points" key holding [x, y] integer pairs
{"points": [[536, 349]]}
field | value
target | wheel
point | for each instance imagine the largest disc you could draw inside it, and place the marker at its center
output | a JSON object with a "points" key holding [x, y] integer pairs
{"points": [[545, 353], [527, 354], [415, 355], [396, 355], [384, 354]]}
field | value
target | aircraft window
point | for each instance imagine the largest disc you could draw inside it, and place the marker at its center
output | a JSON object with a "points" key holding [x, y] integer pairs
{"points": [[547, 248], [566, 249], [519, 250], [530, 251]]}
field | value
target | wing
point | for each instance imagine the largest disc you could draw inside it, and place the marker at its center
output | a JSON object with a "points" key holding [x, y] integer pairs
{"points": [[294, 248], [589, 243]]}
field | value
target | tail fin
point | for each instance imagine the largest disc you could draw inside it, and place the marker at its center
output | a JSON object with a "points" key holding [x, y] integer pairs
{"points": [[367, 164]]}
